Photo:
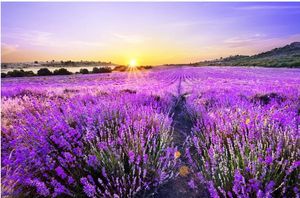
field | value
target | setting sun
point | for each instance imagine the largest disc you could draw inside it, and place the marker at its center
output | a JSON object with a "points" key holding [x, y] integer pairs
{"points": [[132, 63]]}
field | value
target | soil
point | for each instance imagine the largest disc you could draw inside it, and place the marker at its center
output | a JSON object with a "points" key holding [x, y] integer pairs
{"points": [[182, 124]]}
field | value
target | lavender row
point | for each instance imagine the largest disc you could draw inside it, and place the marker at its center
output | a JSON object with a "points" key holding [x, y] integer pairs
{"points": [[246, 140], [106, 145]]}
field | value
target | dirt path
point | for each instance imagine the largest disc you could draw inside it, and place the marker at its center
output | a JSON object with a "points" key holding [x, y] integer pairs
{"points": [[182, 124]]}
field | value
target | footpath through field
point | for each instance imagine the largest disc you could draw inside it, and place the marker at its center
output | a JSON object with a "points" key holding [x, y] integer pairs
{"points": [[182, 125]]}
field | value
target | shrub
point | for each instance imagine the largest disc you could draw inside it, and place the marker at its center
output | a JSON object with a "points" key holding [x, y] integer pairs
{"points": [[16, 73], [44, 72], [120, 68], [61, 71], [84, 71], [96, 70], [294, 64], [145, 67], [29, 73], [101, 70], [3, 75], [246, 151], [88, 147], [68, 63], [20, 73]]}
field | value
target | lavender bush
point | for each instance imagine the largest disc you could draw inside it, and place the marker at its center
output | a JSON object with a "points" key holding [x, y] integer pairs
{"points": [[245, 144], [87, 146]]}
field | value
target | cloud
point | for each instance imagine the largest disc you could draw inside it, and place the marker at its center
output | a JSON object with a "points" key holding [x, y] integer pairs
{"points": [[130, 38], [244, 40], [187, 23], [8, 48], [84, 44], [256, 44], [268, 7], [203, 22], [46, 39], [36, 38]]}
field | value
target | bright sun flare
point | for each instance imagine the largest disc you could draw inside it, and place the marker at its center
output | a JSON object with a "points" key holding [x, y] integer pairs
{"points": [[133, 63]]}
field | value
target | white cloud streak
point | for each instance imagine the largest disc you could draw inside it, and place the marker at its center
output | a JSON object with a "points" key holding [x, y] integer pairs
{"points": [[134, 39], [8, 48], [268, 7], [46, 39]]}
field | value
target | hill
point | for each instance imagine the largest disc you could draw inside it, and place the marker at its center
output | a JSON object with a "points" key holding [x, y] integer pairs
{"points": [[287, 56]]}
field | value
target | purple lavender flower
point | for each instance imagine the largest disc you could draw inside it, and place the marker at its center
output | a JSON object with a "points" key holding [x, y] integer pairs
{"points": [[145, 158], [93, 161], [131, 156], [269, 187], [60, 172], [41, 187], [89, 189], [268, 160], [69, 157], [212, 190], [59, 189], [191, 184], [254, 184]]}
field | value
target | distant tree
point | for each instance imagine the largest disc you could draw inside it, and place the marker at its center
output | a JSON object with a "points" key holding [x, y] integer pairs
{"points": [[36, 62], [295, 64], [20, 73], [3, 75], [97, 70], [44, 72], [16, 73], [120, 68], [69, 62], [149, 66], [105, 69], [61, 71], [29, 73], [84, 71]]}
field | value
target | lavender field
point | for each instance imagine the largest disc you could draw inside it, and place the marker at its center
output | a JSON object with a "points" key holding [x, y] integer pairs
{"points": [[169, 131]]}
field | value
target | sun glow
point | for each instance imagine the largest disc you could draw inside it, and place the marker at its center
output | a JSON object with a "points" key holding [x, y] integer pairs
{"points": [[134, 71], [132, 63]]}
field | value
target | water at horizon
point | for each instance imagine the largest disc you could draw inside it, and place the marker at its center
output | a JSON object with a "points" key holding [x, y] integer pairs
{"points": [[72, 69]]}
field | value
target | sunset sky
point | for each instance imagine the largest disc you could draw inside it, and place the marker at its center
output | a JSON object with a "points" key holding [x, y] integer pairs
{"points": [[151, 33]]}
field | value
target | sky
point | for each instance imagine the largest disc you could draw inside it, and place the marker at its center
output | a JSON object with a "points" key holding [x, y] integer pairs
{"points": [[151, 33]]}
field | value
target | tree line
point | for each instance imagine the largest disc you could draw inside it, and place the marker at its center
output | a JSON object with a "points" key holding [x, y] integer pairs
{"points": [[47, 72]]}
